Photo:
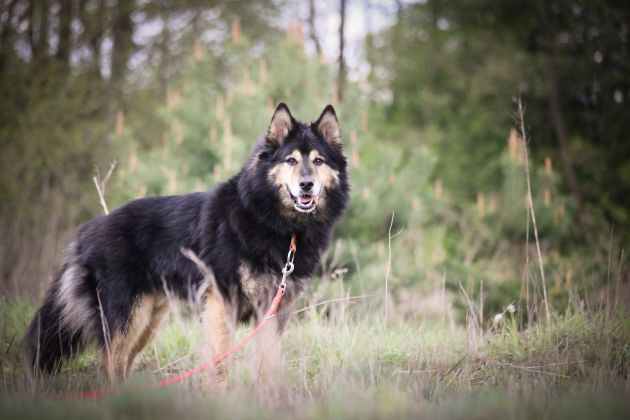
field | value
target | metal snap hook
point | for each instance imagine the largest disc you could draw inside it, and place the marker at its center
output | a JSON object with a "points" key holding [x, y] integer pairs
{"points": [[288, 268]]}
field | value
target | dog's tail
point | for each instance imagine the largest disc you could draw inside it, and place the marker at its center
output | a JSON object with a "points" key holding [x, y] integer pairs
{"points": [[64, 323]]}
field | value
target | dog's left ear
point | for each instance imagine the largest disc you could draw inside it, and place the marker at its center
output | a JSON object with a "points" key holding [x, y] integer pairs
{"points": [[327, 125], [281, 124]]}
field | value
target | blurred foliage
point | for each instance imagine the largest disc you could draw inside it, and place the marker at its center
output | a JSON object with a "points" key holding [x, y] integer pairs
{"points": [[177, 92]]}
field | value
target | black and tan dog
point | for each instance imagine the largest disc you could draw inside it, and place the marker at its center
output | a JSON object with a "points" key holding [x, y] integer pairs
{"points": [[111, 287]]}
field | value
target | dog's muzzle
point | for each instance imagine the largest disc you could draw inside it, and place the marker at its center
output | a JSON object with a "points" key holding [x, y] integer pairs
{"points": [[304, 201]]}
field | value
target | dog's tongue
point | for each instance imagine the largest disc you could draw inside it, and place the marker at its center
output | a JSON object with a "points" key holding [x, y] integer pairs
{"points": [[306, 199]]}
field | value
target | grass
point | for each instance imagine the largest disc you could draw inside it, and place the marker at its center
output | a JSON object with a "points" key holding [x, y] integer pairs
{"points": [[353, 366]]}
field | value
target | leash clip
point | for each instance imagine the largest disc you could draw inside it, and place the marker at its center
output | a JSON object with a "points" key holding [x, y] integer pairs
{"points": [[286, 270], [289, 266]]}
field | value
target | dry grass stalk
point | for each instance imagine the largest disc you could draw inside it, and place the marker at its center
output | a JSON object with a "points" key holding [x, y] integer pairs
{"points": [[521, 118], [481, 204], [389, 263], [236, 30], [364, 122], [548, 166], [120, 121], [388, 268], [262, 71], [492, 204], [327, 301], [213, 133], [437, 189], [547, 197], [618, 285], [106, 333], [198, 52], [228, 143], [219, 106]]}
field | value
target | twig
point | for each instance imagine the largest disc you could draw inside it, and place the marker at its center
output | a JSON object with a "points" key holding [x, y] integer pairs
{"points": [[174, 362], [573, 362], [521, 117], [106, 336], [389, 263], [210, 281], [443, 298], [618, 288], [414, 371], [452, 368], [6, 352], [101, 185], [330, 301], [481, 306], [528, 369], [606, 313]]}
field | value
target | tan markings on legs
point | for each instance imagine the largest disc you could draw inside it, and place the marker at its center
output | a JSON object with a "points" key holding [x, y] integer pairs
{"points": [[115, 363], [160, 309], [217, 332], [267, 352]]}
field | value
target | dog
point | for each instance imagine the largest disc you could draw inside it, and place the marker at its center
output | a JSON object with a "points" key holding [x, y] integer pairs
{"points": [[112, 285]]}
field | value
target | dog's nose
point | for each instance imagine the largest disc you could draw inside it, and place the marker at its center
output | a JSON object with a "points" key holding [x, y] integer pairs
{"points": [[306, 184]]}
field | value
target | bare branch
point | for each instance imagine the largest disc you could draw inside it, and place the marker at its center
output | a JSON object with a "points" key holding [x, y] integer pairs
{"points": [[208, 276], [101, 185]]}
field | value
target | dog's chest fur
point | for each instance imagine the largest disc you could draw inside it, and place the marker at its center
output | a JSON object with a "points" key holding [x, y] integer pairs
{"points": [[259, 287]]}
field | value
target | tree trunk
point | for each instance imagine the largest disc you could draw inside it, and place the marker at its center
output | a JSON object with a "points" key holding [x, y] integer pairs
{"points": [[65, 32], [555, 109], [342, 63], [311, 24], [6, 27], [38, 28], [94, 24], [5, 34], [122, 32], [165, 56]]}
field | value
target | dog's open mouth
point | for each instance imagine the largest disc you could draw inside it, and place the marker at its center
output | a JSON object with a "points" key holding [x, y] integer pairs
{"points": [[304, 203]]}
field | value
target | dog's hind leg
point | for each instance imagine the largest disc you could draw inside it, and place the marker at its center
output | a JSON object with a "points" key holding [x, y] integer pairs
{"points": [[158, 313], [117, 352], [217, 332]]}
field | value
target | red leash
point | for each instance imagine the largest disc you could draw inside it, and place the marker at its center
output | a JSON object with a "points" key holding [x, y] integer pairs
{"points": [[271, 313]]}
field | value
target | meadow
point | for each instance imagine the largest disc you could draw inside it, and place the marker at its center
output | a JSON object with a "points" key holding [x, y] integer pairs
{"points": [[480, 270], [339, 359]]}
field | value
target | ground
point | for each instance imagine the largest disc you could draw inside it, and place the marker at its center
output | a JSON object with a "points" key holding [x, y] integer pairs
{"points": [[342, 361]]}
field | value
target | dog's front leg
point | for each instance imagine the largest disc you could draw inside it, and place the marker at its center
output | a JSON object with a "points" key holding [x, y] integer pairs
{"points": [[217, 332], [267, 352]]}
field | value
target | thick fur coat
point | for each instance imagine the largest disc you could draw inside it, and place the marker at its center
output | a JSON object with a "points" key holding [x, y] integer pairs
{"points": [[117, 271]]}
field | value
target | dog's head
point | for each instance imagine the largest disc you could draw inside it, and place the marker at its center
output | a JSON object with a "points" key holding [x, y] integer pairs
{"points": [[302, 166]]}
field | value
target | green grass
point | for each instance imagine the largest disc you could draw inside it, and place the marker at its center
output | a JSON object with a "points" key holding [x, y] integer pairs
{"points": [[354, 366]]}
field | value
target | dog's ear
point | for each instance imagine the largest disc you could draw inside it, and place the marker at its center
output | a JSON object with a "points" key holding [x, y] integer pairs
{"points": [[327, 125], [281, 124]]}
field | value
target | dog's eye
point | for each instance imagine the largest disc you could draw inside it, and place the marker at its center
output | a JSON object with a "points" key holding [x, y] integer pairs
{"points": [[318, 161], [291, 161]]}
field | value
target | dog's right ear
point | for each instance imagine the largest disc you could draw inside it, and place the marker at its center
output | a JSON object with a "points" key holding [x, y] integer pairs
{"points": [[281, 124]]}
